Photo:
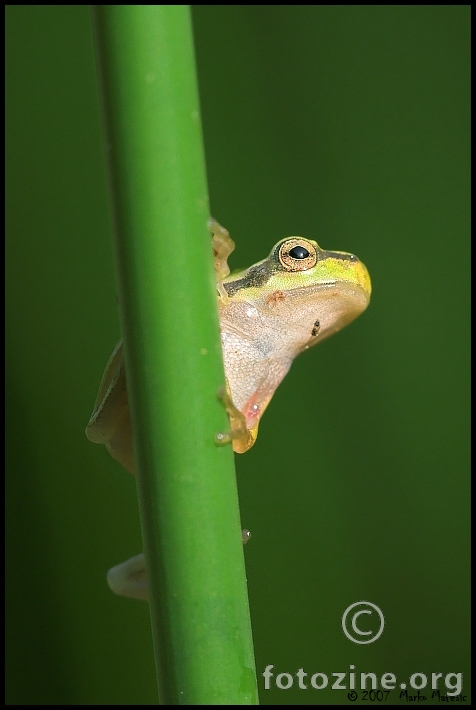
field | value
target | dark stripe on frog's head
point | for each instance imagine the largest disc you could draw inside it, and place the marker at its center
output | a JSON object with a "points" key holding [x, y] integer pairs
{"points": [[254, 277]]}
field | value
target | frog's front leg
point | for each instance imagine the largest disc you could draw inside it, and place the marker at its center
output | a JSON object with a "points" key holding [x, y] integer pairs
{"points": [[222, 245], [239, 435]]}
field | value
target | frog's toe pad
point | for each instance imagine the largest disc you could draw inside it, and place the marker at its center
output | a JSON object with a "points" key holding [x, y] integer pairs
{"points": [[223, 438], [129, 578], [245, 536]]}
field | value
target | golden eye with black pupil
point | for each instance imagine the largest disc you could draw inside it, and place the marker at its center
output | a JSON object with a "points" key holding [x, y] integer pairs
{"points": [[297, 254]]}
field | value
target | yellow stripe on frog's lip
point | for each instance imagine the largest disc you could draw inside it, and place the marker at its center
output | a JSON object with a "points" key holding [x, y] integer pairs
{"points": [[344, 270]]}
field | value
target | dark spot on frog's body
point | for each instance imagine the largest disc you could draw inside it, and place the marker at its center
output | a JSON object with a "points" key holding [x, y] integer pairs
{"points": [[315, 329]]}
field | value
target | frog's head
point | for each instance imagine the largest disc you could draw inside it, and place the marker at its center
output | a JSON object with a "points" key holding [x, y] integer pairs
{"points": [[301, 283]]}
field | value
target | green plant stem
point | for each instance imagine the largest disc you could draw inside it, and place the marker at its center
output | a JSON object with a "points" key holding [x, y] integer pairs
{"points": [[187, 487]]}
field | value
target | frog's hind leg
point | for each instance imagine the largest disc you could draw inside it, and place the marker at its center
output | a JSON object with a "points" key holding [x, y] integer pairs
{"points": [[110, 422]]}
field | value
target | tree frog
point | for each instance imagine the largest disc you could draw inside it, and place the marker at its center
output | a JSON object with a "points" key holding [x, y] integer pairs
{"points": [[269, 313]]}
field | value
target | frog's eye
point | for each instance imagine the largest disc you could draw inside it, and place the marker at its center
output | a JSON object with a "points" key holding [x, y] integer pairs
{"points": [[297, 254]]}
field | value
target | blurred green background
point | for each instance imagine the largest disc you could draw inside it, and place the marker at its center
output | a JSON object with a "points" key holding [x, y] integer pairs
{"points": [[344, 124]]}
